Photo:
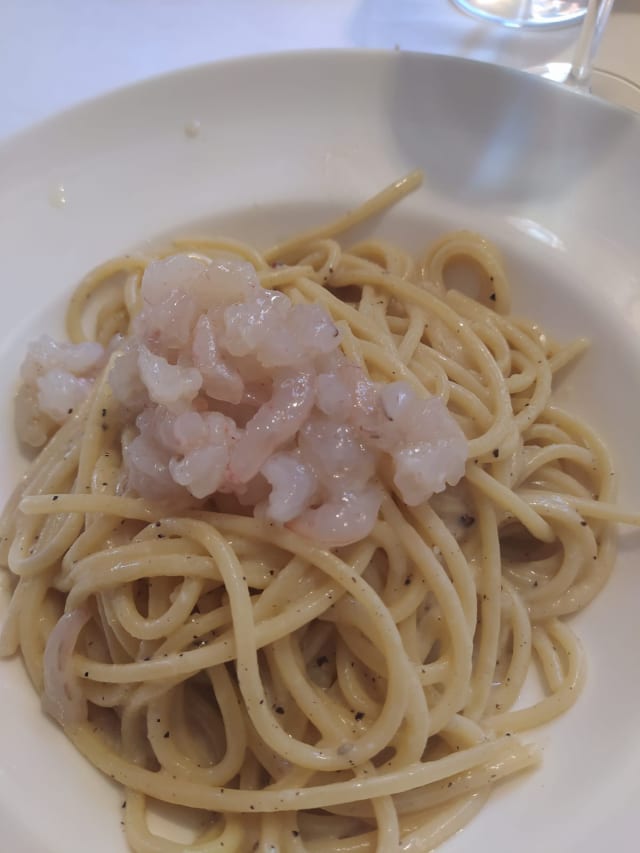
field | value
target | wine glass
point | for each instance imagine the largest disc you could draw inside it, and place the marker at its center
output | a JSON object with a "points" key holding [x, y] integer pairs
{"points": [[580, 73], [526, 13]]}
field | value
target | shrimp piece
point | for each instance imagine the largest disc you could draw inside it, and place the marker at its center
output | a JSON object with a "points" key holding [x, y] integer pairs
{"points": [[219, 379], [205, 444], [336, 453], [124, 379], [345, 393], [45, 354], [56, 378], [169, 385], [63, 698], [341, 520], [293, 486], [428, 448], [278, 333], [274, 424]]}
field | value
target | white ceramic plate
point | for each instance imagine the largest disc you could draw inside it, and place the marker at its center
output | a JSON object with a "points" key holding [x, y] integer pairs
{"points": [[284, 142]]}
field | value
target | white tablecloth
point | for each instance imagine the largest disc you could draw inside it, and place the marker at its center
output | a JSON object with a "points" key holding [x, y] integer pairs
{"points": [[55, 53]]}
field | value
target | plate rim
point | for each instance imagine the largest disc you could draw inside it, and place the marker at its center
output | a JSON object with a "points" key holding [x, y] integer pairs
{"points": [[104, 98]]}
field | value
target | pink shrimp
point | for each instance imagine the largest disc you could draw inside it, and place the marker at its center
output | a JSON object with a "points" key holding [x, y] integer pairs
{"points": [[273, 425]]}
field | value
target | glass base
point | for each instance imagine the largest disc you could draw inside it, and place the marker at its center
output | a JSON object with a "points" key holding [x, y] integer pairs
{"points": [[616, 89], [604, 84], [525, 13]]}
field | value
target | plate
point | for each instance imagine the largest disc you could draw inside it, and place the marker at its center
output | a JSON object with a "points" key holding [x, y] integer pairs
{"points": [[260, 147]]}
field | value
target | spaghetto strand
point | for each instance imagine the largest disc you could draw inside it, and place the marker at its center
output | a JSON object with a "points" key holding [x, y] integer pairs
{"points": [[298, 697]]}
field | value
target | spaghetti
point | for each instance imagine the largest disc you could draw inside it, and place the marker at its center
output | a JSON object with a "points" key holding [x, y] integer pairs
{"points": [[290, 695]]}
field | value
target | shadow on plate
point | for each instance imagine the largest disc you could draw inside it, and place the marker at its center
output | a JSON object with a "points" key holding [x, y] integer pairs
{"points": [[483, 134]]}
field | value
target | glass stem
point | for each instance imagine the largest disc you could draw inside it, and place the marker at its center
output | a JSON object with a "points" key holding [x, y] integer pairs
{"points": [[590, 35]]}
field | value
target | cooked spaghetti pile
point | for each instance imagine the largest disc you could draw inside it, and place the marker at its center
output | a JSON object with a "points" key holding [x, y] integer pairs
{"points": [[302, 525]]}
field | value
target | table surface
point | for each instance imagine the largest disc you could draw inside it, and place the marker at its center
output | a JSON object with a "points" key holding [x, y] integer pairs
{"points": [[56, 53]]}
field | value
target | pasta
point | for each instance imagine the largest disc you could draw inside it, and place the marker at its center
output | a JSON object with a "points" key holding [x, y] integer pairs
{"points": [[294, 694]]}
